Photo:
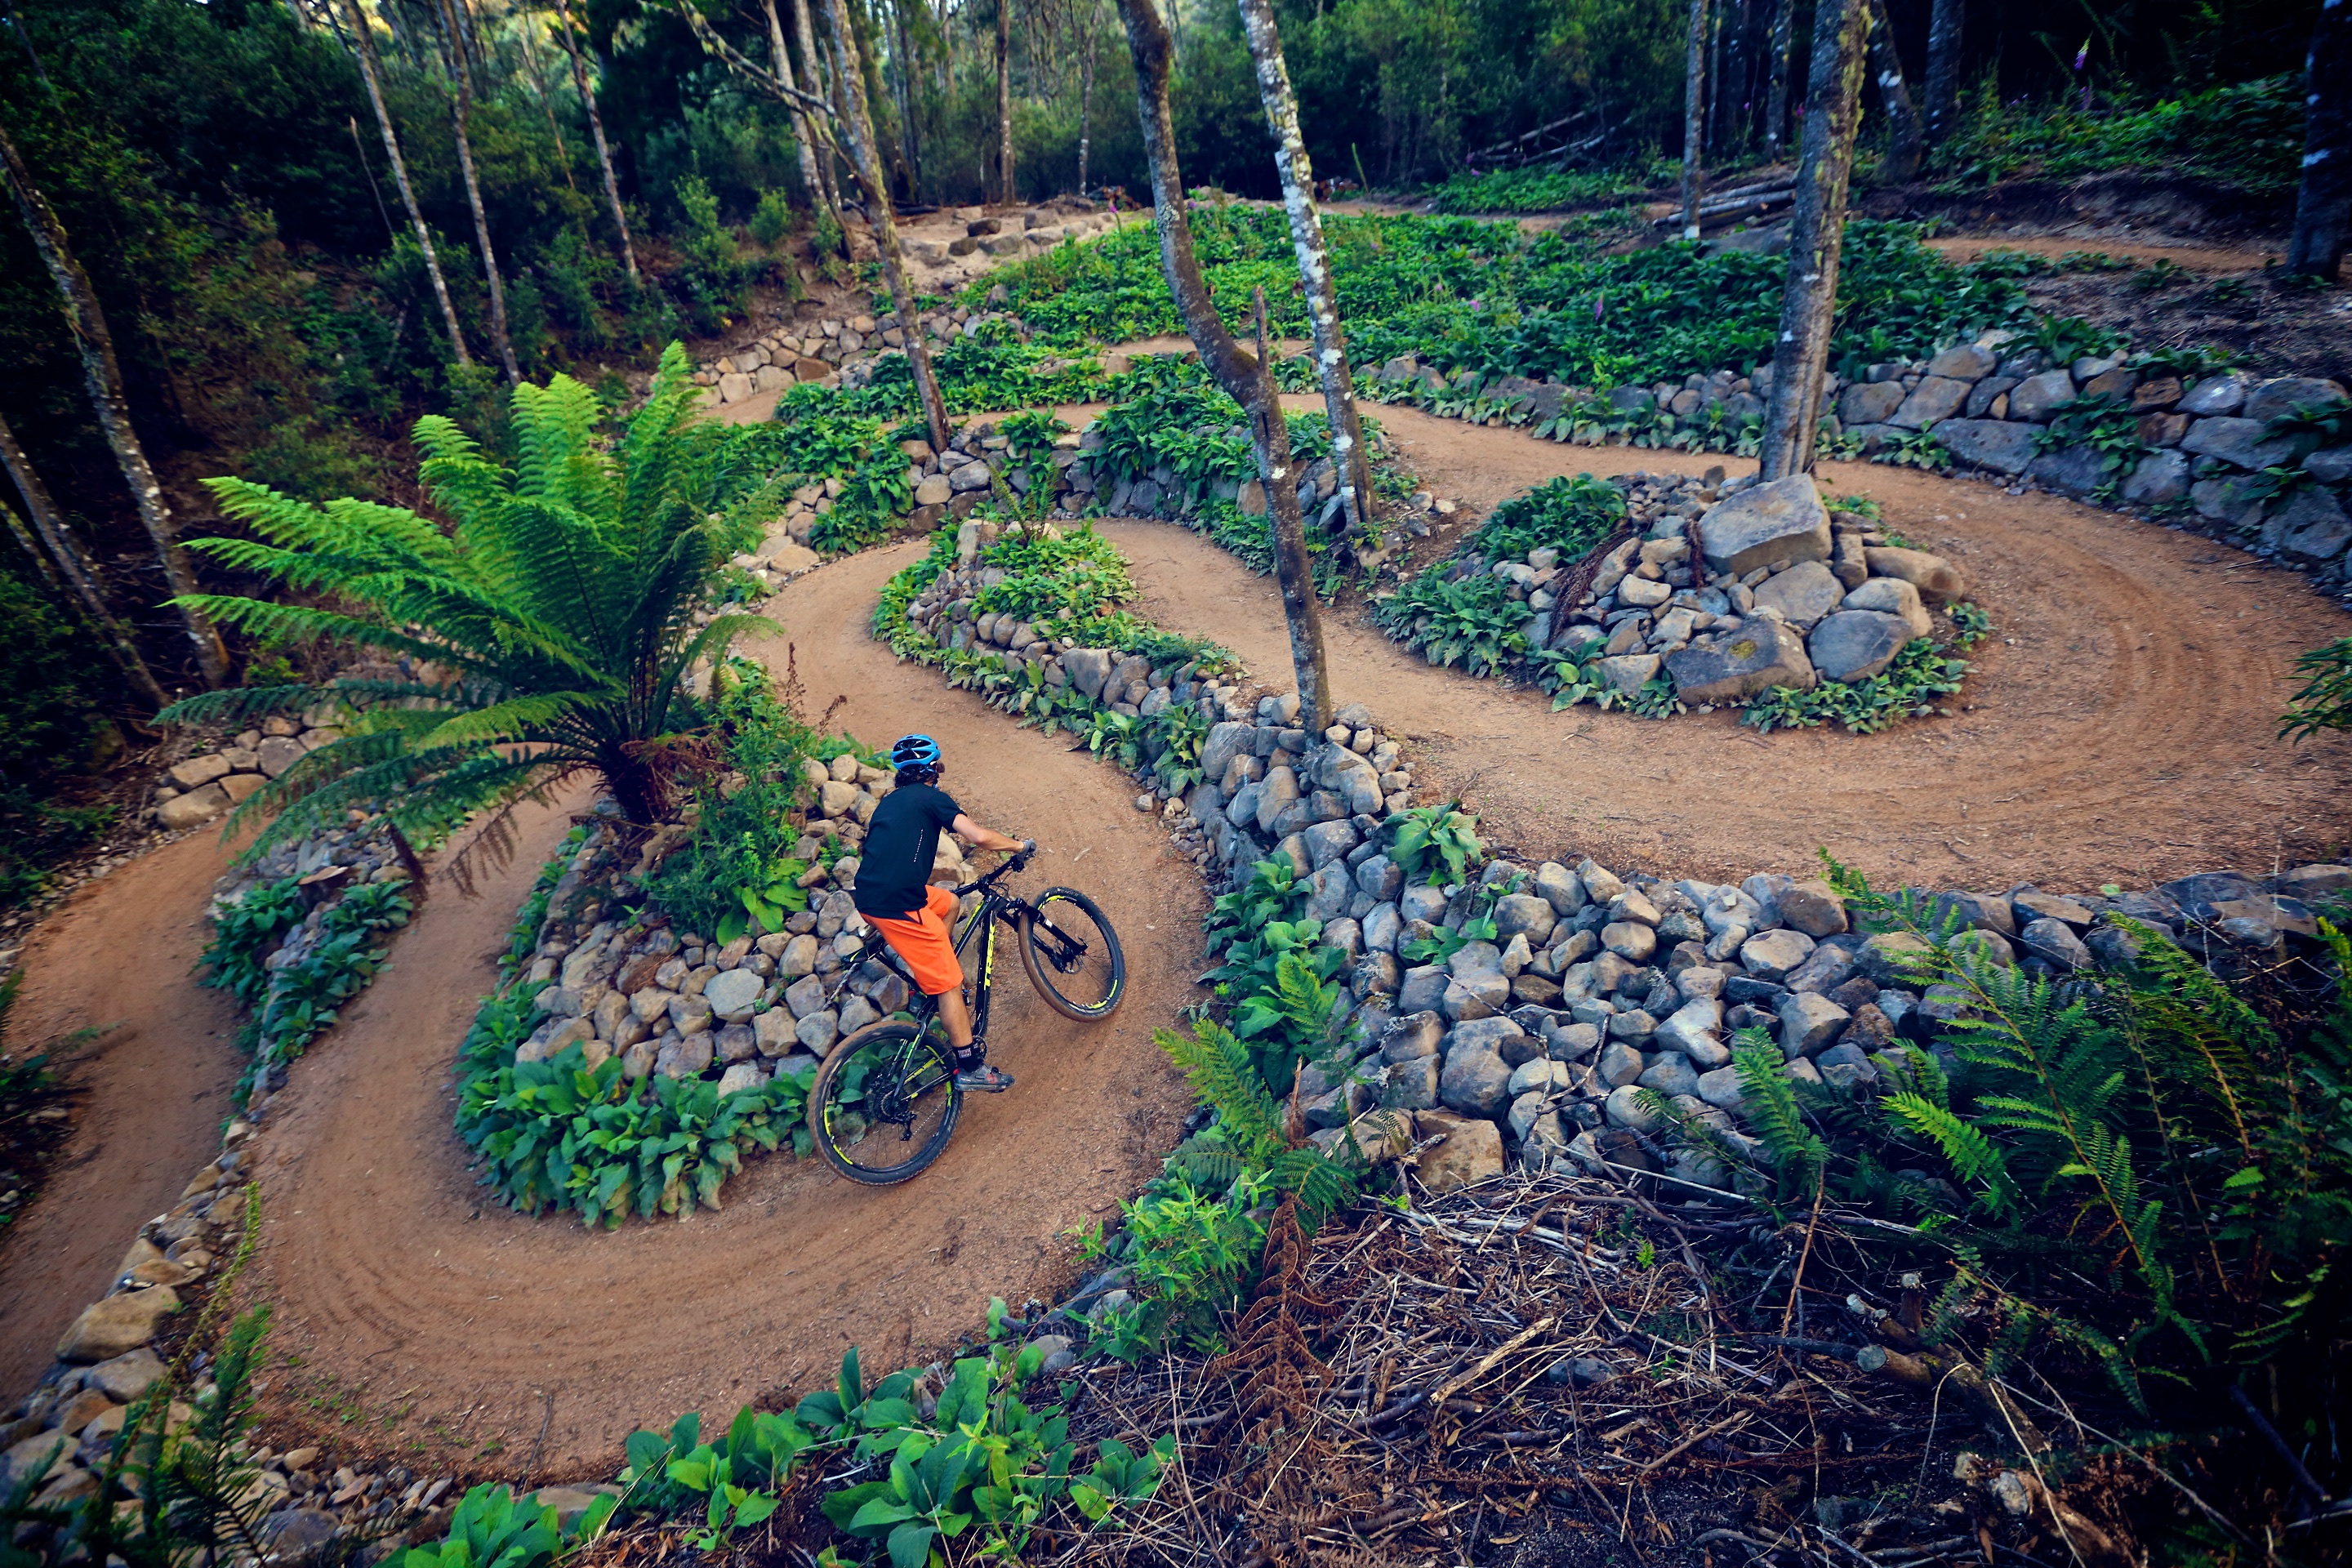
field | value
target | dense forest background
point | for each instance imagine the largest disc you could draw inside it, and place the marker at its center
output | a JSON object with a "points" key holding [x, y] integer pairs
{"points": [[219, 171]]}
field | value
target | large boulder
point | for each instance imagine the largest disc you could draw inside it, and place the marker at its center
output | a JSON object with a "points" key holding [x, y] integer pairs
{"points": [[2241, 442], [1939, 581], [1762, 654], [1964, 361], [2288, 392], [117, 1325], [2161, 476], [1869, 402], [1782, 520], [1472, 1152], [2005, 446], [1934, 400], [1892, 596], [1803, 595], [2311, 527], [2038, 396], [1854, 644]]}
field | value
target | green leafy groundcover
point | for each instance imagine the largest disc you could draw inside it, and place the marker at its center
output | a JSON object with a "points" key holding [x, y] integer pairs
{"points": [[560, 1133], [1478, 296], [1538, 190], [293, 1005], [1080, 579]]}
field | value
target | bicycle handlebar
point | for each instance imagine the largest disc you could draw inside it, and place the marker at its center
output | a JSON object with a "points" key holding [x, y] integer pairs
{"points": [[1014, 862]]}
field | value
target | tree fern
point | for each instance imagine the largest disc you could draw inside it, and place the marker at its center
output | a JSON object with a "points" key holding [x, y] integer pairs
{"points": [[551, 627]]}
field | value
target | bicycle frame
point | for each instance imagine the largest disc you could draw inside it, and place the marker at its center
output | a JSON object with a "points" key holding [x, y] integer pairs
{"points": [[995, 907]]}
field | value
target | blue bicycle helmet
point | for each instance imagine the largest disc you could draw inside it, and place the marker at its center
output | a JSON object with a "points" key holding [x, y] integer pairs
{"points": [[915, 751]]}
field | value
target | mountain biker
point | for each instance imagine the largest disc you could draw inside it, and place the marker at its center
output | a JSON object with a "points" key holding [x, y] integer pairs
{"points": [[895, 893]]}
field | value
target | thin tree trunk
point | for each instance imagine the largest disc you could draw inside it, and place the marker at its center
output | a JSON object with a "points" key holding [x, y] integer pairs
{"points": [[596, 133], [802, 132], [73, 566], [1247, 379], [400, 177], [1730, 123], [886, 139], [1944, 21], [1816, 234], [1776, 104], [462, 111], [812, 57], [907, 124], [32, 548], [1694, 116], [103, 374], [1904, 132], [1085, 99], [1005, 102], [866, 163], [1715, 82], [1354, 464], [546, 102], [2322, 208]]}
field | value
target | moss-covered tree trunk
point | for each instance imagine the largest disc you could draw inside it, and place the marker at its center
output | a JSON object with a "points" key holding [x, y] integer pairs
{"points": [[1946, 20], [1694, 116], [2322, 208], [365, 49], [1246, 378], [1004, 190], [865, 165], [66, 561], [1298, 172], [1776, 96], [1905, 134], [1817, 233], [102, 375], [804, 138]]}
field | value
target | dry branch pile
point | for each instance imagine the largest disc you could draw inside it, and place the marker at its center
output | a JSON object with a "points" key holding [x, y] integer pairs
{"points": [[1544, 1371]]}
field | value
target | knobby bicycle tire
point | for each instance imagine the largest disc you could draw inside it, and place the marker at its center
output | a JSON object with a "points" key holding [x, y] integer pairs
{"points": [[1038, 964], [823, 1128]]}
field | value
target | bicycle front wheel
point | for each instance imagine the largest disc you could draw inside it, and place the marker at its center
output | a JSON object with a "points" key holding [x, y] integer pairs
{"points": [[883, 1104], [1072, 957]]}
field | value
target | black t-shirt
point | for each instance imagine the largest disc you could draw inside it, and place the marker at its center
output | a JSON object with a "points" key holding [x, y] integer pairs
{"points": [[900, 842]]}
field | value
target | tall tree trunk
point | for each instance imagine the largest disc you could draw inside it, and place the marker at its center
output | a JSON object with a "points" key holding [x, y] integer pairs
{"points": [[462, 111], [366, 39], [1776, 102], [1904, 132], [73, 566], [2322, 208], [1086, 99], [1694, 116], [908, 123], [1247, 379], [1715, 82], [103, 375], [865, 164], [886, 139], [1816, 235], [596, 133], [1945, 21], [804, 134], [1290, 159], [1731, 122], [1004, 192], [817, 85]]}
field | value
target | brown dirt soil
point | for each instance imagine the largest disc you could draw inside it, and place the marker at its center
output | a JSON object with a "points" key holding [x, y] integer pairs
{"points": [[434, 1324], [2196, 257], [118, 956], [2119, 725]]}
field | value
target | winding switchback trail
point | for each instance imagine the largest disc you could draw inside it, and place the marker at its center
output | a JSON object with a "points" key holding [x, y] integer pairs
{"points": [[428, 1322], [120, 957], [2120, 725]]}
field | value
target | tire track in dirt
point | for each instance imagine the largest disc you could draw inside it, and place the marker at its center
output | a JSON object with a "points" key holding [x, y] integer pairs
{"points": [[2120, 725], [425, 1322], [119, 956]]}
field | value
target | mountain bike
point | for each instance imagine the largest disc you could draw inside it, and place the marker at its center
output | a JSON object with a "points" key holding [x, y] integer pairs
{"points": [[886, 1102]]}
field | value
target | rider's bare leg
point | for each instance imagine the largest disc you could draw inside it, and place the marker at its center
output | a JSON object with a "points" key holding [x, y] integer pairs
{"points": [[955, 1014]]}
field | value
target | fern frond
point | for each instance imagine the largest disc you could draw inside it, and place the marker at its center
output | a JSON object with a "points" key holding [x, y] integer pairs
{"points": [[1218, 1067], [1972, 1155]]}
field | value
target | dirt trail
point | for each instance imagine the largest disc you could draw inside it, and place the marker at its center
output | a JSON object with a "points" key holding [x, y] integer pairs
{"points": [[118, 956], [2196, 257], [2119, 725], [428, 1314]]}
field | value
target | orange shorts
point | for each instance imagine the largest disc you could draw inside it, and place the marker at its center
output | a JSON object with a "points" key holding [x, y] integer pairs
{"points": [[922, 939]]}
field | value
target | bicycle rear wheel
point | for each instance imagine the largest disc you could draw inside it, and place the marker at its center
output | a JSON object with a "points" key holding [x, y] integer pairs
{"points": [[1072, 956], [883, 1104]]}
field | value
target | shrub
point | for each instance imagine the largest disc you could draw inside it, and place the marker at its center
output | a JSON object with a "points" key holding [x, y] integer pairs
{"points": [[772, 219], [563, 608], [1570, 515], [2146, 1166], [710, 272], [2324, 702], [52, 687]]}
